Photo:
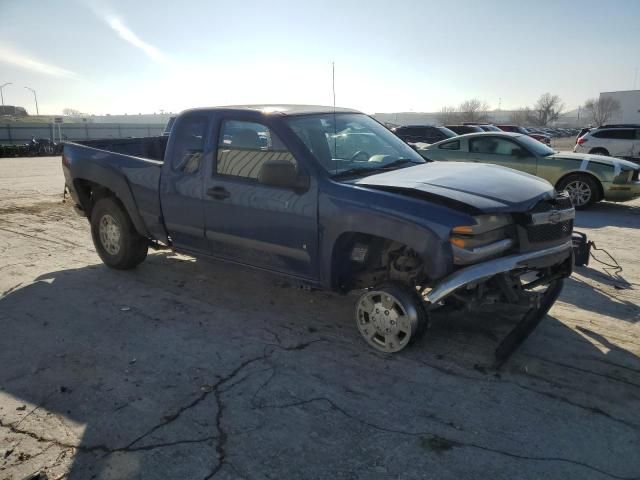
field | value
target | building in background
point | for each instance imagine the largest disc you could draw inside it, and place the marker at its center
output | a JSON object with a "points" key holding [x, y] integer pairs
{"points": [[629, 106]]}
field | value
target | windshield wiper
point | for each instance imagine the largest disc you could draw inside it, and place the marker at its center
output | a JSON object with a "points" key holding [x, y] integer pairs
{"points": [[364, 170], [396, 163], [352, 171]]}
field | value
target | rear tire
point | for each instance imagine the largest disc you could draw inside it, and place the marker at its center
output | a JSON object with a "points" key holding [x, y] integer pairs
{"points": [[583, 190], [117, 242], [599, 151], [391, 317]]}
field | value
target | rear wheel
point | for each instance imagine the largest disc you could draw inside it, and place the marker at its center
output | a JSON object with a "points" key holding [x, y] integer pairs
{"points": [[391, 317], [116, 240], [582, 189], [599, 151]]}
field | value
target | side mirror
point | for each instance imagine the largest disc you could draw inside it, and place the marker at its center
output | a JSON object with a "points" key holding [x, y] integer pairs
{"points": [[283, 174]]}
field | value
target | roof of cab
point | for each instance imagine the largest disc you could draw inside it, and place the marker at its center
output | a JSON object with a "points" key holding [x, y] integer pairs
{"points": [[280, 109]]}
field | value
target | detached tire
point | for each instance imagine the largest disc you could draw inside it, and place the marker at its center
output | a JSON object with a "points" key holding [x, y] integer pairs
{"points": [[116, 240], [391, 317], [583, 190]]}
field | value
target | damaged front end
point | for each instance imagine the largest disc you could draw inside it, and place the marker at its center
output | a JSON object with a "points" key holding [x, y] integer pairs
{"points": [[517, 259]]}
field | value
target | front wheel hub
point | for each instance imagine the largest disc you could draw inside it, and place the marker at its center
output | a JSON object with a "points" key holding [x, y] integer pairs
{"points": [[383, 321]]}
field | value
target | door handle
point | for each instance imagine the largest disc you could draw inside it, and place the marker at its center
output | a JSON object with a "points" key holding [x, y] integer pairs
{"points": [[219, 193]]}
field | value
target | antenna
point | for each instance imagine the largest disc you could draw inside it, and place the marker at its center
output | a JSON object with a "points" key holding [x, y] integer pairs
{"points": [[335, 126], [333, 83]]}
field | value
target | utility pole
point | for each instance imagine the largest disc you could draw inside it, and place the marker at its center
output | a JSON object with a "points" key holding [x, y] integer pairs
{"points": [[1, 94], [35, 97]]}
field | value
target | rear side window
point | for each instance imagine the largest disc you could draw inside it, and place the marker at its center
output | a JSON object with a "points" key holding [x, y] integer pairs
{"points": [[492, 146], [618, 134], [188, 147], [454, 145], [244, 146]]}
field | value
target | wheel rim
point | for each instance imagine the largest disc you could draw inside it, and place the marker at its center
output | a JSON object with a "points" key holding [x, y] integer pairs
{"points": [[579, 192], [384, 322], [109, 231]]}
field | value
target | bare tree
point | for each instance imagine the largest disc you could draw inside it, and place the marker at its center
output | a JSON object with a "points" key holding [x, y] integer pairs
{"points": [[546, 110], [473, 110], [602, 109], [449, 115]]}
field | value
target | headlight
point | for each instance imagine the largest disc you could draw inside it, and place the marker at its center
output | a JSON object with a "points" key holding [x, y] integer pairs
{"points": [[489, 236]]}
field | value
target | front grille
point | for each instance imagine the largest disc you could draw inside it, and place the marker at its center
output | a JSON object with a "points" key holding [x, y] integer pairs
{"points": [[549, 232]]}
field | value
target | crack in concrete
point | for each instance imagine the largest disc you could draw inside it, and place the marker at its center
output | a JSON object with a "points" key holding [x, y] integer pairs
{"points": [[450, 442], [100, 448], [591, 409]]}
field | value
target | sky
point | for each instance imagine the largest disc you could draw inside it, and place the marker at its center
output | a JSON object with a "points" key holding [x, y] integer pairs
{"points": [[125, 56]]}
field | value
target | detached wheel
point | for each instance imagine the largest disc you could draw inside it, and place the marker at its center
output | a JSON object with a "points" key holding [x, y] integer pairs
{"points": [[116, 240], [582, 189], [391, 317]]}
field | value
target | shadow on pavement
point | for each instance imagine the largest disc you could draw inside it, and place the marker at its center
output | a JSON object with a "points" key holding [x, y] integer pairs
{"points": [[609, 214], [184, 369]]}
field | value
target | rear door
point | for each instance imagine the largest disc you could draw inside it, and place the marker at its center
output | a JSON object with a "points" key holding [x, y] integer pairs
{"points": [[251, 223], [502, 151], [181, 192]]}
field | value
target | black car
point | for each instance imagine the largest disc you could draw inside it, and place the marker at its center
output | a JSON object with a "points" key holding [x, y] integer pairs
{"points": [[423, 133], [487, 127], [462, 129]]}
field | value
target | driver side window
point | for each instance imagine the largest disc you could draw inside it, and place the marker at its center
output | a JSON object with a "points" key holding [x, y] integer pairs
{"points": [[244, 146]]}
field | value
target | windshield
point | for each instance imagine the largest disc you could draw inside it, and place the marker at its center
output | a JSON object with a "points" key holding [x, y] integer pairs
{"points": [[536, 146], [352, 142], [449, 133]]}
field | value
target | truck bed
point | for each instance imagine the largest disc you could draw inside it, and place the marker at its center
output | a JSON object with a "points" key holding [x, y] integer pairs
{"points": [[127, 168], [144, 147]]}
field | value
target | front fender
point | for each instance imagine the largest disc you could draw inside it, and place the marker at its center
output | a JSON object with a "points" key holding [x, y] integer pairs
{"points": [[423, 226]]}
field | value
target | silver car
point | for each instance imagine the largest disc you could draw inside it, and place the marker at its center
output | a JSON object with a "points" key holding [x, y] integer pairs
{"points": [[614, 142]]}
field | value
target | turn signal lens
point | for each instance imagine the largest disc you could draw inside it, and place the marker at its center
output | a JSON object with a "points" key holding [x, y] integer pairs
{"points": [[458, 242], [463, 230]]}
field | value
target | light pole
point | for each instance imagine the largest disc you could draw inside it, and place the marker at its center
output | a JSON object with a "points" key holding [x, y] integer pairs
{"points": [[35, 97], [1, 87]]}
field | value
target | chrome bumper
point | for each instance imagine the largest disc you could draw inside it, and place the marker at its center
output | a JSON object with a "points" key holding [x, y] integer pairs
{"points": [[482, 271]]}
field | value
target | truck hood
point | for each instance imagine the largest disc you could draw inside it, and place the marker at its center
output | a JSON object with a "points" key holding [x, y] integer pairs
{"points": [[616, 163], [481, 188]]}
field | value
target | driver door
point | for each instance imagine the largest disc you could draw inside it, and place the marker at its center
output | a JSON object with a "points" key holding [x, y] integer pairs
{"points": [[502, 151], [255, 224]]}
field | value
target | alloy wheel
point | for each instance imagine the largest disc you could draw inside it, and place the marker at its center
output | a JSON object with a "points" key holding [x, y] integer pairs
{"points": [[110, 234]]}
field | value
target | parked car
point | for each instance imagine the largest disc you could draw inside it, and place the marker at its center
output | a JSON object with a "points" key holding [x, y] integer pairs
{"points": [[518, 129], [581, 132], [422, 133], [410, 236], [487, 127], [622, 142], [587, 178], [464, 129]]}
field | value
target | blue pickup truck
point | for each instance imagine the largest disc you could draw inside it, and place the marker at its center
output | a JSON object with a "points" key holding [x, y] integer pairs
{"points": [[330, 197]]}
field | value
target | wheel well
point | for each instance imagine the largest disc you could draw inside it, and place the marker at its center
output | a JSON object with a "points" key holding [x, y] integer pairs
{"points": [[586, 174], [90, 192], [599, 149], [361, 260]]}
